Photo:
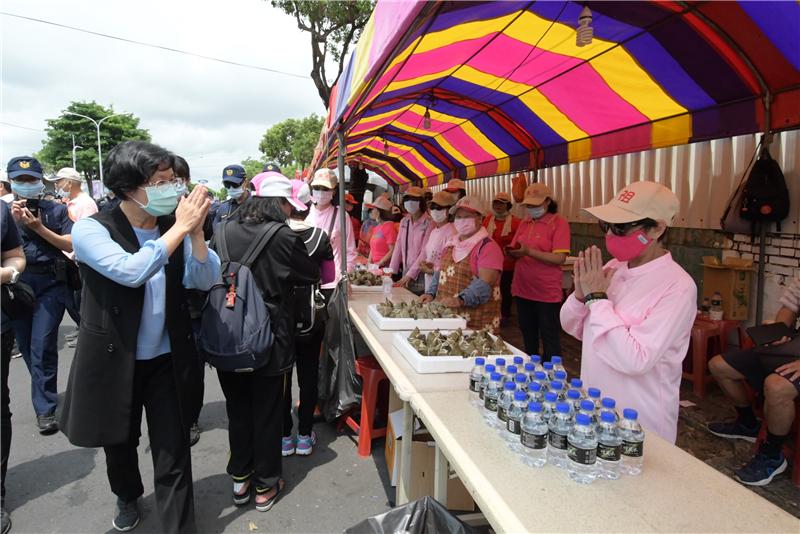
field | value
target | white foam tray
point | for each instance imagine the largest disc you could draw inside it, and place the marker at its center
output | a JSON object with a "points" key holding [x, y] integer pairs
{"points": [[367, 289], [438, 364], [396, 323]]}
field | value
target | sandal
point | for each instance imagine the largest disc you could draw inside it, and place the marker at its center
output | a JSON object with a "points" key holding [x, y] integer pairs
{"points": [[241, 492], [267, 504]]}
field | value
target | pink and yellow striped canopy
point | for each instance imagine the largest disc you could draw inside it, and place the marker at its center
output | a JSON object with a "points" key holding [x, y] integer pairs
{"points": [[437, 90]]}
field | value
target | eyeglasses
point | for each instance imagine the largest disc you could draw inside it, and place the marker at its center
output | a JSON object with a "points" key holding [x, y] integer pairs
{"points": [[163, 183], [622, 229]]}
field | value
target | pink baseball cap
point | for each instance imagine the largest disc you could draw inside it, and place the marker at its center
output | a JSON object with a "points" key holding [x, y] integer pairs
{"points": [[301, 194], [274, 184]]}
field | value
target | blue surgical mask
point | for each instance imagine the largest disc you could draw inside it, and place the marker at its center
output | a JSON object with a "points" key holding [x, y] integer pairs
{"points": [[235, 192], [537, 212], [161, 200], [27, 189]]}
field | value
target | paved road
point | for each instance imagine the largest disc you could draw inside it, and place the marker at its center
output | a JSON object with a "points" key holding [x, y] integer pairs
{"points": [[55, 487]]}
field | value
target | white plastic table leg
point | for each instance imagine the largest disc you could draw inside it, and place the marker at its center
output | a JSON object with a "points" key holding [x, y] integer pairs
{"points": [[441, 475], [404, 484]]}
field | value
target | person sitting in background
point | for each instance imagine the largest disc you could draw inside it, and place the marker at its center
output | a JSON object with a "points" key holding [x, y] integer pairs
{"points": [[774, 372], [443, 230], [350, 203], [415, 228], [502, 226], [635, 313], [469, 275], [384, 235]]}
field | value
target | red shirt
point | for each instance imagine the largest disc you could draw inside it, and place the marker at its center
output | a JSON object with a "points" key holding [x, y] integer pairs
{"points": [[534, 279], [381, 238], [356, 226], [503, 241]]}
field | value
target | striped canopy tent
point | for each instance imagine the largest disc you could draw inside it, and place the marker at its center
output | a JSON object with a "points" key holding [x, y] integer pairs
{"points": [[439, 90]]}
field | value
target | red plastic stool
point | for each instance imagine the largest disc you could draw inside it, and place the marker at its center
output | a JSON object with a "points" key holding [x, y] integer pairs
{"points": [[702, 334], [371, 376]]}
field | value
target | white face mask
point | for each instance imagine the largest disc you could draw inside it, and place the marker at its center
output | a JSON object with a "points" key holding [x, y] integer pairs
{"points": [[235, 192], [438, 215], [465, 226], [537, 212], [411, 206], [323, 198]]}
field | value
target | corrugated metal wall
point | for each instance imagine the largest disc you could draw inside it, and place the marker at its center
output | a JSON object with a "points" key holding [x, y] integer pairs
{"points": [[703, 175]]}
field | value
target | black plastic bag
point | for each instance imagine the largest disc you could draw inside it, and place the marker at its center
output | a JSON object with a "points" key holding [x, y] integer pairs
{"points": [[339, 387], [423, 516]]}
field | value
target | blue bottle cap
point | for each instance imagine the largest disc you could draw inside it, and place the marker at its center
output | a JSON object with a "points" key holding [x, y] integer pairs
{"points": [[577, 383], [630, 413], [550, 396], [509, 386], [496, 377], [518, 360], [587, 405], [534, 406], [480, 361], [560, 375], [511, 369], [608, 417], [540, 375], [535, 358], [534, 386], [529, 367], [556, 360], [500, 361], [490, 368], [521, 378], [556, 384], [582, 419], [573, 394], [594, 393], [609, 403], [548, 366], [562, 407], [520, 396]]}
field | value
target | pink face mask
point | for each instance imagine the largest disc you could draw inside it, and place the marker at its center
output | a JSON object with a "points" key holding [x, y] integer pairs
{"points": [[627, 247], [464, 226]]}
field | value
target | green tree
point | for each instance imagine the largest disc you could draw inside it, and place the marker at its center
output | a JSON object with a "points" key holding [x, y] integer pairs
{"points": [[334, 26], [56, 151], [252, 166], [291, 143]]}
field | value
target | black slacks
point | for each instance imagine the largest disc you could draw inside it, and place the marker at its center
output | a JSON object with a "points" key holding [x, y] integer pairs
{"points": [[540, 320], [306, 349], [154, 390]]}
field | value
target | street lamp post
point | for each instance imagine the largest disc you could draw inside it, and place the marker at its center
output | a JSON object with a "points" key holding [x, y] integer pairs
{"points": [[97, 126], [74, 148]]}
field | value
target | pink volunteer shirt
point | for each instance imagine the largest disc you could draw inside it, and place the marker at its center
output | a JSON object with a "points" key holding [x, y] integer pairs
{"points": [[634, 343], [487, 255], [534, 279], [80, 207], [381, 238], [410, 247], [322, 219], [435, 246]]}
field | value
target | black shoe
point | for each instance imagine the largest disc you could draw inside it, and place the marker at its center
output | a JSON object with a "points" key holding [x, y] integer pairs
{"points": [[6, 520], [47, 424], [194, 434], [734, 430], [127, 516], [761, 469]]}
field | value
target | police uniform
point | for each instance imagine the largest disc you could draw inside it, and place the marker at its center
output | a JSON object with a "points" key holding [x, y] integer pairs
{"points": [[47, 273], [232, 175]]}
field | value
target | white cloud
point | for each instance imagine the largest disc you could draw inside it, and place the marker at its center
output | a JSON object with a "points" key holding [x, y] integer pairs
{"points": [[212, 113]]}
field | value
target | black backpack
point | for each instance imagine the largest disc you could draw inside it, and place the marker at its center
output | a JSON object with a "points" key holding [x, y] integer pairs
{"points": [[765, 197], [235, 328]]}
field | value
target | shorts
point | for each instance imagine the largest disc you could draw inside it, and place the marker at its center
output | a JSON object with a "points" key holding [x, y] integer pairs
{"points": [[756, 365]]}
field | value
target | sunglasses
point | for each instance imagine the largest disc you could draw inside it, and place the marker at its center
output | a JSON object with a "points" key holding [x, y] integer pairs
{"points": [[622, 229]]}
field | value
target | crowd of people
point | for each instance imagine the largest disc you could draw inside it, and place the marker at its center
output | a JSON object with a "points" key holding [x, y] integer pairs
{"points": [[133, 274]]}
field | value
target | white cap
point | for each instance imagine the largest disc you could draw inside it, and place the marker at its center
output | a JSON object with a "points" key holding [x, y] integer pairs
{"points": [[325, 178], [273, 184], [639, 200], [67, 173]]}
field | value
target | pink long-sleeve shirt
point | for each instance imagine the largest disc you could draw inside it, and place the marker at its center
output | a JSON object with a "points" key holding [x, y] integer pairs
{"points": [[634, 343], [322, 219], [410, 247]]}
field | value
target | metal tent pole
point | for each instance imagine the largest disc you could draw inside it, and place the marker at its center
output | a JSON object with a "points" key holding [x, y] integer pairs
{"points": [[342, 211]]}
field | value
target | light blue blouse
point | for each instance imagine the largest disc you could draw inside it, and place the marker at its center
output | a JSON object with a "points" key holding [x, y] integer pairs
{"points": [[94, 247]]}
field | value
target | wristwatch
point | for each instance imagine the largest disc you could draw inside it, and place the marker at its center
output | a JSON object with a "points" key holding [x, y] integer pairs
{"points": [[14, 276]]}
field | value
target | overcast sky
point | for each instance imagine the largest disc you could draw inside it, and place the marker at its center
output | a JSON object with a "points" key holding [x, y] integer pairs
{"points": [[211, 113]]}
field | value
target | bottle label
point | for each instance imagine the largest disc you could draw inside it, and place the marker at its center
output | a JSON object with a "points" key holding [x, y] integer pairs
{"points": [[581, 456], [481, 393], [490, 404], [514, 426], [502, 414], [557, 441], [474, 385], [608, 453], [533, 441], [634, 449]]}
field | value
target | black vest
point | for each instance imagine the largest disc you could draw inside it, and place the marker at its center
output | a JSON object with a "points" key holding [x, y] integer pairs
{"points": [[97, 405]]}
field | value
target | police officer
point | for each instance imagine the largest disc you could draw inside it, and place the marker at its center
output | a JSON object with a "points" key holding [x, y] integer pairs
{"points": [[45, 229], [235, 182]]}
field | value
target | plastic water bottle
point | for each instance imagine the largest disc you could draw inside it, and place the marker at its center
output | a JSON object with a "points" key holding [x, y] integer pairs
{"points": [[559, 427], [594, 396], [387, 282], [519, 361], [541, 378], [535, 393], [530, 369], [610, 405], [534, 436], [521, 382], [582, 450], [515, 413], [716, 312], [574, 397], [487, 375], [577, 383], [587, 408], [549, 404], [548, 369], [632, 442], [561, 376], [511, 372], [475, 375], [500, 364], [537, 361], [490, 397], [557, 387], [504, 404], [558, 364], [609, 446]]}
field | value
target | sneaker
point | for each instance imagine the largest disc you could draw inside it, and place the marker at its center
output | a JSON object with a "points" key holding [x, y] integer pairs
{"points": [[47, 424], [305, 444], [264, 504], [241, 492], [734, 430], [194, 434], [6, 520], [127, 516], [287, 446], [761, 469]]}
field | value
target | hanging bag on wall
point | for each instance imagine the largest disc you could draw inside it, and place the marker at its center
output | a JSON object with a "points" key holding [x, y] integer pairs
{"points": [[732, 220], [765, 197]]}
